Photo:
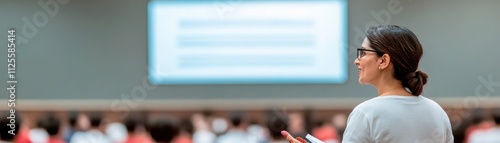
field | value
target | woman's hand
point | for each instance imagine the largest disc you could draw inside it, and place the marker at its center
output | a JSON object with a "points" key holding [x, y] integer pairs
{"points": [[291, 139]]}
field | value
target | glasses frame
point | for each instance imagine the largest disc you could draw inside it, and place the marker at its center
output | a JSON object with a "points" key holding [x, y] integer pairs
{"points": [[359, 51]]}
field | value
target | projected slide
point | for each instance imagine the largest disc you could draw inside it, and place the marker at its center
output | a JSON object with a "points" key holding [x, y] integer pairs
{"points": [[247, 42]]}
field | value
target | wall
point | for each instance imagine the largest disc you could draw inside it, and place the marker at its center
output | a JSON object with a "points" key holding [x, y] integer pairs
{"points": [[94, 49]]}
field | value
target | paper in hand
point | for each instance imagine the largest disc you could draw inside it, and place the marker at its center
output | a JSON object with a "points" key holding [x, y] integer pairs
{"points": [[313, 139]]}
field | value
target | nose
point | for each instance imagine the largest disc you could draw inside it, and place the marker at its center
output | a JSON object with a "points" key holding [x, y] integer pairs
{"points": [[356, 62]]}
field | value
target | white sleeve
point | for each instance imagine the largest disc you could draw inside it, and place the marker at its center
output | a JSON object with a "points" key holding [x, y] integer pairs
{"points": [[449, 135], [449, 132], [358, 128]]}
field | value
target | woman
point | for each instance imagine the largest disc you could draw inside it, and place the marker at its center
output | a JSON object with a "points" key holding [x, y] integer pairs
{"points": [[388, 60]]}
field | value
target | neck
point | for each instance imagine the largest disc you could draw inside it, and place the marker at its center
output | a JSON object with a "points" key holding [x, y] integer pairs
{"points": [[391, 86]]}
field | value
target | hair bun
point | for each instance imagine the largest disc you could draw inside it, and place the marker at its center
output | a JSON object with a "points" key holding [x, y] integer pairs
{"points": [[415, 81]]}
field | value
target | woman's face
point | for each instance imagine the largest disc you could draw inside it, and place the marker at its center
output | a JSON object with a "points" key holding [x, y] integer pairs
{"points": [[367, 64]]}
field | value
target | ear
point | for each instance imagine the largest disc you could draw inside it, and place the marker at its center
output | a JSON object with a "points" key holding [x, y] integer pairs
{"points": [[384, 61]]}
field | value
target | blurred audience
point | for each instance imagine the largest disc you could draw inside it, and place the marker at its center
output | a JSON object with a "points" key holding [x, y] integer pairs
{"points": [[165, 130], [94, 134], [276, 122], [202, 131], [136, 132], [117, 132], [237, 130], [186, 131], [219, 125], [480, 126], [52, 126], [488, 135], [72, 125], [297, 124], [325, 132], [39, 134], [339, 121], [479, 120], [258, 131]]}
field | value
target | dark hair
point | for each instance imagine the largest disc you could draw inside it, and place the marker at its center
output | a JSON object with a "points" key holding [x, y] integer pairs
{"points": [[405, 51], [131, 122], [187, 126], [276, 122], [51, 124], [95, 119], [72, 118], [6, 123], [478, 115], [164, 130], [496, 115], [237, 118]]}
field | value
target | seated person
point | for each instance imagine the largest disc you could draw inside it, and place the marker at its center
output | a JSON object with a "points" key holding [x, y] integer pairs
{"points": [[164, 130]]}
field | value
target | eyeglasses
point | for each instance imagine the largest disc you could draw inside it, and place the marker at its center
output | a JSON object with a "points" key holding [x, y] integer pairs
{"points": [[361, 52]]}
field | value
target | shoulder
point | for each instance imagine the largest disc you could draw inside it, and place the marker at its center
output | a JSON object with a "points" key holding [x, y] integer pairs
{"points": [[435, 106], [381, 105], [430, 101], [369, 105], [362, 111]]}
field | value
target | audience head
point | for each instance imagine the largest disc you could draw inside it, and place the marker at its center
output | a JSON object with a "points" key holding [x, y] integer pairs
{"points": [[51, 124], [187, 126], [237, 118], [478, 116], [496, 116], [276, 122], [164, 130], [131, 124], [95, 119], [73, 118], [134, 121]]}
